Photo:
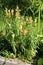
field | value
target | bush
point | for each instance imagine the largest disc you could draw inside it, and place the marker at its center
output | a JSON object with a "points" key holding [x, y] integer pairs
{"points": [[21, 34]]}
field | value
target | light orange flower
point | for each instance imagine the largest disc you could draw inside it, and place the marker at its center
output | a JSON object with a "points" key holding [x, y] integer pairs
{"points": [[25, 32], [17, 14], [35, 20], [30, 21], [9, 25], [30, 18], [20, 27], [9, 13], [13, 35], [12, 12], [6, 12], [27, 19], [17, 9]]}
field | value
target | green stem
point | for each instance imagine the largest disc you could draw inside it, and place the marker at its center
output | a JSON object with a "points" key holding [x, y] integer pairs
{"points": [[39, 20]]}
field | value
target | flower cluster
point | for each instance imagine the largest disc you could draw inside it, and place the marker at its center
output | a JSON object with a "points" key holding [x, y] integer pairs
{"points": [[9, 12]]}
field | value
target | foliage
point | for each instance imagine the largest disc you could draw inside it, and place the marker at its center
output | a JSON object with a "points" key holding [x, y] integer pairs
{"points": [[21, 34], [8, 54], [40, 61]]}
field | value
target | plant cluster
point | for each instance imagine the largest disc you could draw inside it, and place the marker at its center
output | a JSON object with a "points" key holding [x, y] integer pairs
{"points": [[21, 34]]}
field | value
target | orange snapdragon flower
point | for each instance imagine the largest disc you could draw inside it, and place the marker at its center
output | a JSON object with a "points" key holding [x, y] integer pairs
{"points": [[12, 12], [9, 13], [21, 26], [6, 12], [25, 32], [9, 25], [13, 35], [35, 21], [27, 19]]}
